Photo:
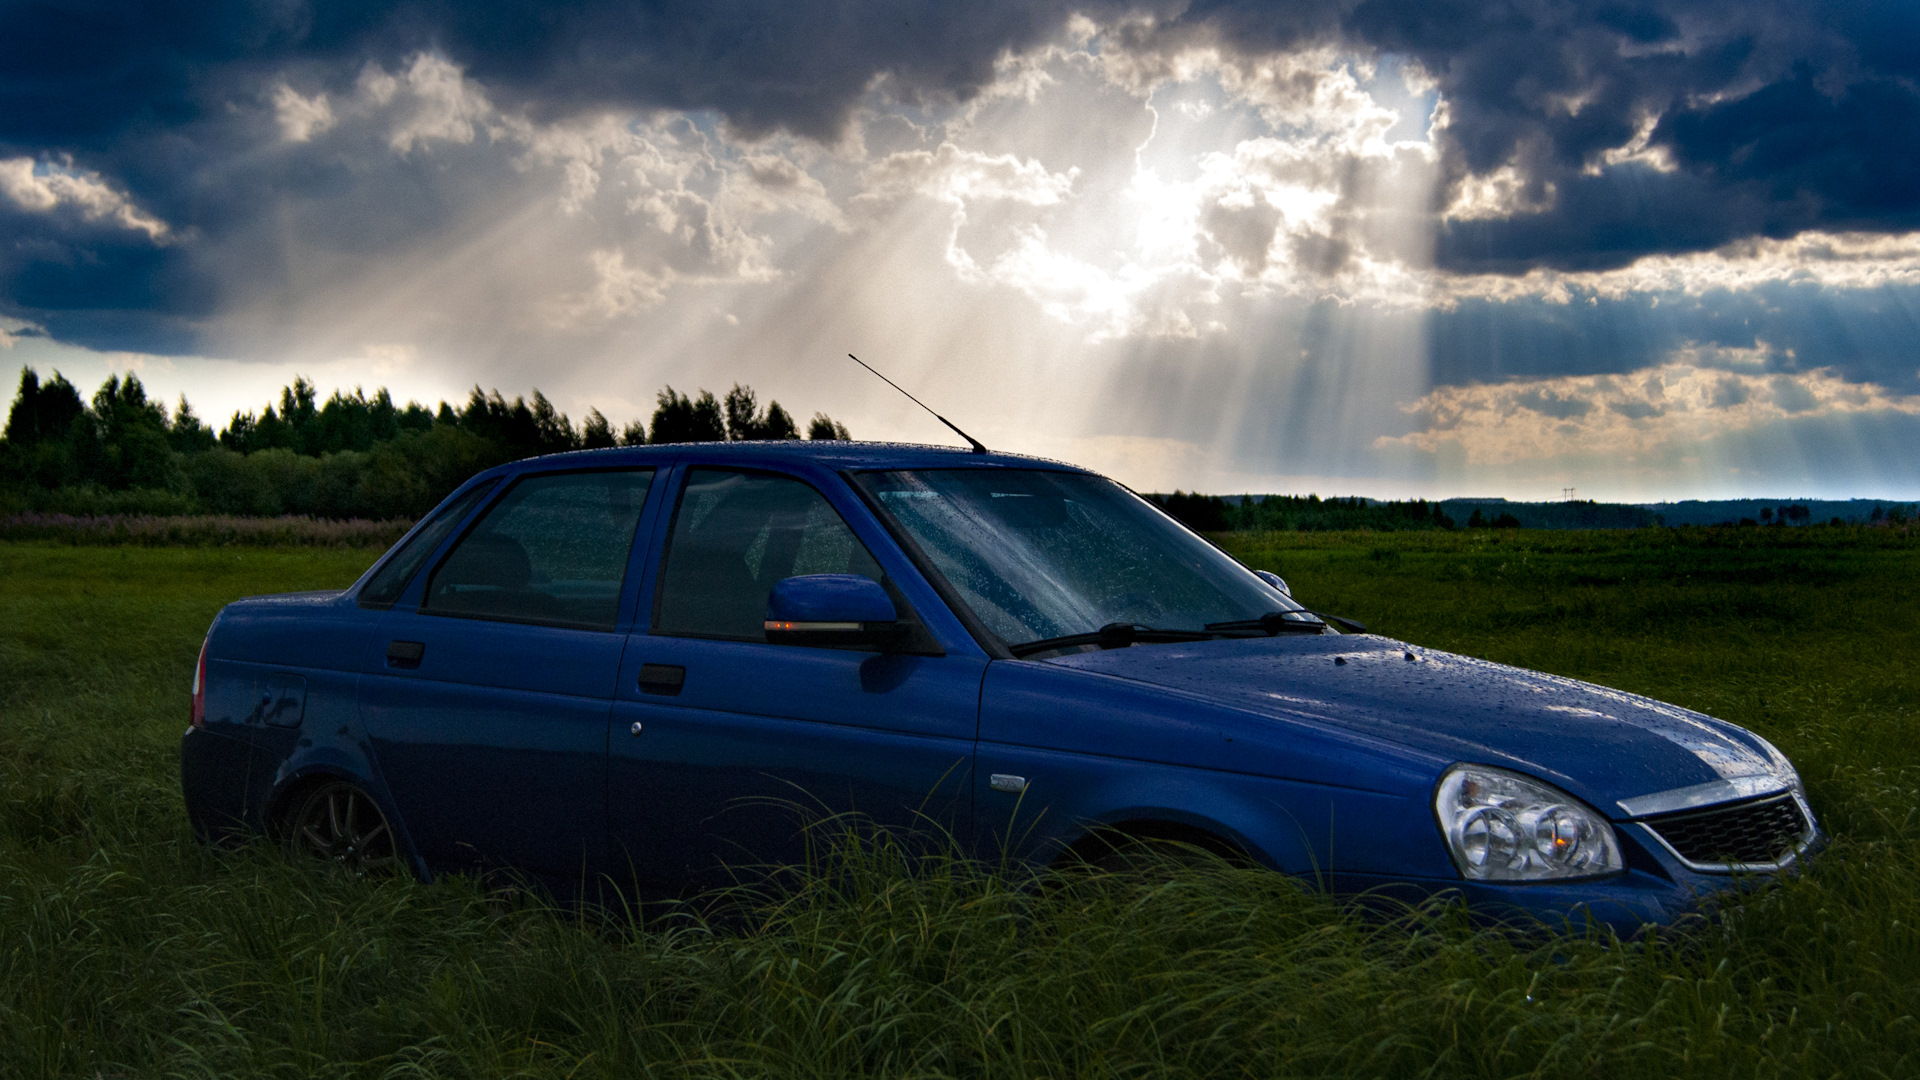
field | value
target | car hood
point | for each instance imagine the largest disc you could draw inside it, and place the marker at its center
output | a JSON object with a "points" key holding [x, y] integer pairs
{"points": [[1625, 754]]}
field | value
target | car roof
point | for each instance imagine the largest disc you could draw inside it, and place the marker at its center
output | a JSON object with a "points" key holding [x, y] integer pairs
{"points": [[832, 454]]}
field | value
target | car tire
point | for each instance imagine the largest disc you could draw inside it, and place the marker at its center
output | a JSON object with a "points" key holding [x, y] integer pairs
{"points": [[338, 823]]}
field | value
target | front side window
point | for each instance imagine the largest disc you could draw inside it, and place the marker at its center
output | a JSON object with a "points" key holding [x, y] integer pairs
{"points": [[1039, 554], [392, 579], [553, 551], [736, 535]]}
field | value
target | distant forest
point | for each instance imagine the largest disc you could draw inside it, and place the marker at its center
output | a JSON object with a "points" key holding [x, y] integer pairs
{"points": [[350, 456], [1310, 513]]}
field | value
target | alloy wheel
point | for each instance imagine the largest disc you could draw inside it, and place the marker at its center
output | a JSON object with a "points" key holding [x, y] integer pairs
{"points": [[338, 823]]}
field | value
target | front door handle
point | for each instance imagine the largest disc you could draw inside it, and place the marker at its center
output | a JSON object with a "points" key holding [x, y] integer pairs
{"points": [[665, 679], [405, 654]]}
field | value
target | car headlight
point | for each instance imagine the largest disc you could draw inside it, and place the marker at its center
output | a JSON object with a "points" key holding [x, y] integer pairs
{"points": [[1502, 826]]}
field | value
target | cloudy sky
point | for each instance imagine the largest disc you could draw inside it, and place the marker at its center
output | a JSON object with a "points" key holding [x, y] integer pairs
{"points": [[1392, 247]]}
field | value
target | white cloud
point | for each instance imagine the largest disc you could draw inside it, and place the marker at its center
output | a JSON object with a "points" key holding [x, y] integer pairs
{"points": [[1503, 193], [619, 288], [1654, 413], [301, 118], [439, 103], [1824, 260], [962, 175], [42, 188], [12, 330]]}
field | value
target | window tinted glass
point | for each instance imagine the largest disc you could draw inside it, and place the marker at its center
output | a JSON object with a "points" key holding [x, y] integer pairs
{"points": [[553, 550], [1040, 554], [391, 580], [737, 534]]}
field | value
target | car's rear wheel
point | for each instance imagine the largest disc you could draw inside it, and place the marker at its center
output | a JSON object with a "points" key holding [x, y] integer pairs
{"points": [[338, 823]]}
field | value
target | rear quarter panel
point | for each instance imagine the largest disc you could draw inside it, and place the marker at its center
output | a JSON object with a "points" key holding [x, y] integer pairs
{"points": [[258, 648]]}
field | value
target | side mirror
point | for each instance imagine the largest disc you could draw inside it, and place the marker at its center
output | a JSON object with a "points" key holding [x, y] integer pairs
{"points": [[1274, 580], [834, 610]]}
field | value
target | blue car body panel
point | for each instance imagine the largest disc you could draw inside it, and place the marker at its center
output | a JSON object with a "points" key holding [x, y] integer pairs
{"points": [[657, 762], [1598, 744], [766, 737], [1094, 748], [495, 715]]}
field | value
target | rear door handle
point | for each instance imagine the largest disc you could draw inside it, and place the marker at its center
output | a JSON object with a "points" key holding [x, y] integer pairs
{"points": [[405, 654], [667, 679]]}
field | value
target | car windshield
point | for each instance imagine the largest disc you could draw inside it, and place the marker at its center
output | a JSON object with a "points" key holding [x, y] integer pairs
{"points": [[1039, 554]]}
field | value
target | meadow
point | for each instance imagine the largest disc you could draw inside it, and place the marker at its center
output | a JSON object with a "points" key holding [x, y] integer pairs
{"points": [[126, 950]]}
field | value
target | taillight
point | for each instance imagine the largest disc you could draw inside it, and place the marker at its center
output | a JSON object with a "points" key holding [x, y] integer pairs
{"points": [[198, 717]]}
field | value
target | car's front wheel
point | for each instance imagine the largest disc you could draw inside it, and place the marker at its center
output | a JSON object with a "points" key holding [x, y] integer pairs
{"points": [[338, 823]]}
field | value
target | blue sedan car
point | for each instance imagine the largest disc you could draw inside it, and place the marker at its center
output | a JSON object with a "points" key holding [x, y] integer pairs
{"points": [[631, 665]]}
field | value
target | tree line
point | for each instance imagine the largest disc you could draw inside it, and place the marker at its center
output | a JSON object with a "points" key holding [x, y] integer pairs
{"points": [[346, 457], [1304, 513]]}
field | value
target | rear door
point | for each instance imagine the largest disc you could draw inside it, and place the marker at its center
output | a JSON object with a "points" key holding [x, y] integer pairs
{"points": [[487, 702], [726, 748]]}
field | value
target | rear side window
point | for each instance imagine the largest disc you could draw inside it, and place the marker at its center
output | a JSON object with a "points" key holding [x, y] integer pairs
{"points": [[552, 551], [735, 536], [392, 579]]}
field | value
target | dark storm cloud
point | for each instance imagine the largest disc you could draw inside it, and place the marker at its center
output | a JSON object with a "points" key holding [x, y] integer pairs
{"points": [[80, 75], [1780, 117], [1774, 116], [165, 100], [1863, 335]]}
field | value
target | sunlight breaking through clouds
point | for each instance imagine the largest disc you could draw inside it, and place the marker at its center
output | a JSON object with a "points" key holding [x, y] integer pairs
{"points": [[1145, 239]]}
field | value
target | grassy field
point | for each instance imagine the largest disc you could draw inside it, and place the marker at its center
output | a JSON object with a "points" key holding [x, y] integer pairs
{"points": [[126, 951]]}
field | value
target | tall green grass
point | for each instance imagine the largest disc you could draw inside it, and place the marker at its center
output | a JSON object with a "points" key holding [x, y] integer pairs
{"points": [[126, 950]]}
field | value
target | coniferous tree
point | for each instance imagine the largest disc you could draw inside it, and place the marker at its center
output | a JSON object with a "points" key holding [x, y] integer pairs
{"points": [[672, 417], [187, 434], [130, 448], [553, 432], [23, 428], [743, 419], [300, 416], [43, 413], [777, 424], [595, 432], [708, 424], [825, 427]]}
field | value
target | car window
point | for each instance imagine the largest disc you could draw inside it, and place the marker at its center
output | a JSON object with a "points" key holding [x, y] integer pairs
{"points": [[1039, 553], [553, 551], [734, 536], [392, 579]]}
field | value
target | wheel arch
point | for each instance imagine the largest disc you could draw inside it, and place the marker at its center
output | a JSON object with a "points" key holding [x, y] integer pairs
{"points": [[295, 784], [1098, 839]]}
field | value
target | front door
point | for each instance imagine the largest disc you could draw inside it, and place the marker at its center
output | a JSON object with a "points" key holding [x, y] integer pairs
{"points": [[487, 703], [730, 754]]}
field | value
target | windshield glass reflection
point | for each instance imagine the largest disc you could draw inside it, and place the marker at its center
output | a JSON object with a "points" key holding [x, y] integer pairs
{"points": [[1039, 554]]}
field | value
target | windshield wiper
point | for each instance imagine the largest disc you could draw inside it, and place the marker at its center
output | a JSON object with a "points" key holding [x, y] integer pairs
{"points": [[1118, 635], [1273, 622], [1115, 635]]}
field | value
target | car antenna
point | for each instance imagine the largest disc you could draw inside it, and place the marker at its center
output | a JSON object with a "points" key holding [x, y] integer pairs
{"points": [[977, 448]]}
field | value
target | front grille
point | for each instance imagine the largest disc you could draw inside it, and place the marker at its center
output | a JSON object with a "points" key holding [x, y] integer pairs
{"points": [[1755, 833]]}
